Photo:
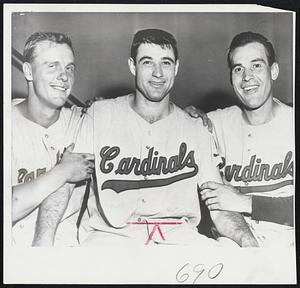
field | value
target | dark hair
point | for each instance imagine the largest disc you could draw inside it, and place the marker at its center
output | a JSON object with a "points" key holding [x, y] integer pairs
{"points": [[249, 37], [38, 37], [153, 36]]}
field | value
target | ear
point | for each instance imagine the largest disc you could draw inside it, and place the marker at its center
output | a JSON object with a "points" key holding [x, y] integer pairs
{"points": [[274, 71], [176, 66], [27, 71], [131, 65]]}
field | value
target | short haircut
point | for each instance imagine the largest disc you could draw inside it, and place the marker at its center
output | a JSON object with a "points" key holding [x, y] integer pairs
{"points": [[153, 36], [249, 37], [34, 39]]}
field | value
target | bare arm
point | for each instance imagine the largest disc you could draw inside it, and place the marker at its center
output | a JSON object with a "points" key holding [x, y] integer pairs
{"points": [[72, 168], [233, 225], [50, 213], [228, 223], [265, 208], [196, 113]]}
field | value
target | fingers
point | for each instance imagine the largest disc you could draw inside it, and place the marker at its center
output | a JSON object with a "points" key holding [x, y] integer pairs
{"points": [[91, 165], [210, 185], [89, 102], [213, 207], [70, 148], [224, 180], [211, 201], [192, 111], [90, 170], [210, 125], [87, 156], [206, 194]]}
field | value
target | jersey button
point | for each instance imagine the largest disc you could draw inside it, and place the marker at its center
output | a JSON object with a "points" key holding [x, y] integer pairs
{"points": [[249, 135], [52, 148], [147, 146], [46, 136], [139, 219], [246, 183], [145, 177], [143, 200]]}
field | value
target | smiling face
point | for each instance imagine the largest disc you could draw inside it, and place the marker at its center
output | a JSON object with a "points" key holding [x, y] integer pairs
{"points": [[155, 69], [252, 77], [51, 73]]}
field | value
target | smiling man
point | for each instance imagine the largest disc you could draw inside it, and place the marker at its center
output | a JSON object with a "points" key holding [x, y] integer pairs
{"points": [[41, 130], [149, 158], [257, 142]]}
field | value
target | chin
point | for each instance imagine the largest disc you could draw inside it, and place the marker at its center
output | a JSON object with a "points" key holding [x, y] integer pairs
{"points": [[59, 103]]}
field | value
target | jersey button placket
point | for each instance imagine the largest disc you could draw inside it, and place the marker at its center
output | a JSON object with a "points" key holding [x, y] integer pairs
{"points": [[248, 146]]}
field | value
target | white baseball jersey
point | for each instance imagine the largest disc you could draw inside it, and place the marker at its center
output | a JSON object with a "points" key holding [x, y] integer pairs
{"points": [[35, 150], [259, 160], [148, 172]]}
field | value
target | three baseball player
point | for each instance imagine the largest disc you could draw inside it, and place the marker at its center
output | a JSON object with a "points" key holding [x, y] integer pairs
{"points": [[150, 157]]}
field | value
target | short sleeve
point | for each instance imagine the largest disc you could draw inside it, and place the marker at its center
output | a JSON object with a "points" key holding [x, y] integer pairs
{"points": [[216, 118], [273, 209], [85, 136], [208, 158]]}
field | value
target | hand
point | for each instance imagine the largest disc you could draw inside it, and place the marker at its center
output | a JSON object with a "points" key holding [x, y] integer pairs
{"points": [[77, 166], [89, 102], [196, 113], [219, 196]]}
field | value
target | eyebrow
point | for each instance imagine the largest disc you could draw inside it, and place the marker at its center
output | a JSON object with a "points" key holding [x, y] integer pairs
{"points": [[254, 60], [71, 63], [150, 58], [258, 59]]}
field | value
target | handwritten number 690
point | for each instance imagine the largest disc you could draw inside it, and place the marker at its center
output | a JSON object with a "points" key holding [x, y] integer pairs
{"points": [[198, 269]]}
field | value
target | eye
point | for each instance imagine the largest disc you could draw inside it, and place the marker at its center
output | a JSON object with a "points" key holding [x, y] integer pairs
{"points": [[70, 68], [237, 70], [51, 65], [257, 65], [147, 62], [167, 63]]}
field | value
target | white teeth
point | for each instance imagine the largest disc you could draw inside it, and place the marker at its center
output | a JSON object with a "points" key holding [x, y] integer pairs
{"points": [[157, 83], [250, 88], [59, 88]]}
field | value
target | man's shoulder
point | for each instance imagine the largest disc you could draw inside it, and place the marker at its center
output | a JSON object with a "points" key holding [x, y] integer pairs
{"points": [[284, 108], [107, 104], [73, 112], [231, 112], [17, 101], [191, 124]]}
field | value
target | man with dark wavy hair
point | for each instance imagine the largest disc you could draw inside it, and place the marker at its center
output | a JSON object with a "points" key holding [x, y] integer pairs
{"points": [[149, 158]]}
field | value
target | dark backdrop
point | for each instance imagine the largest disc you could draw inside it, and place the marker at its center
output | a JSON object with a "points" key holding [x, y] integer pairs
{"points": [[102, 44]]}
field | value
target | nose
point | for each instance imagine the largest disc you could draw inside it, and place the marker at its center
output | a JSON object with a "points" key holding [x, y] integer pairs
{"points": [[62, 75], [247, 74], [157, 70]]}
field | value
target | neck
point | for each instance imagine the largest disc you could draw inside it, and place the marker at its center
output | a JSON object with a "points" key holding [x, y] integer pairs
{"points": [[35, 111], [262, 115], [151, 111]]}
